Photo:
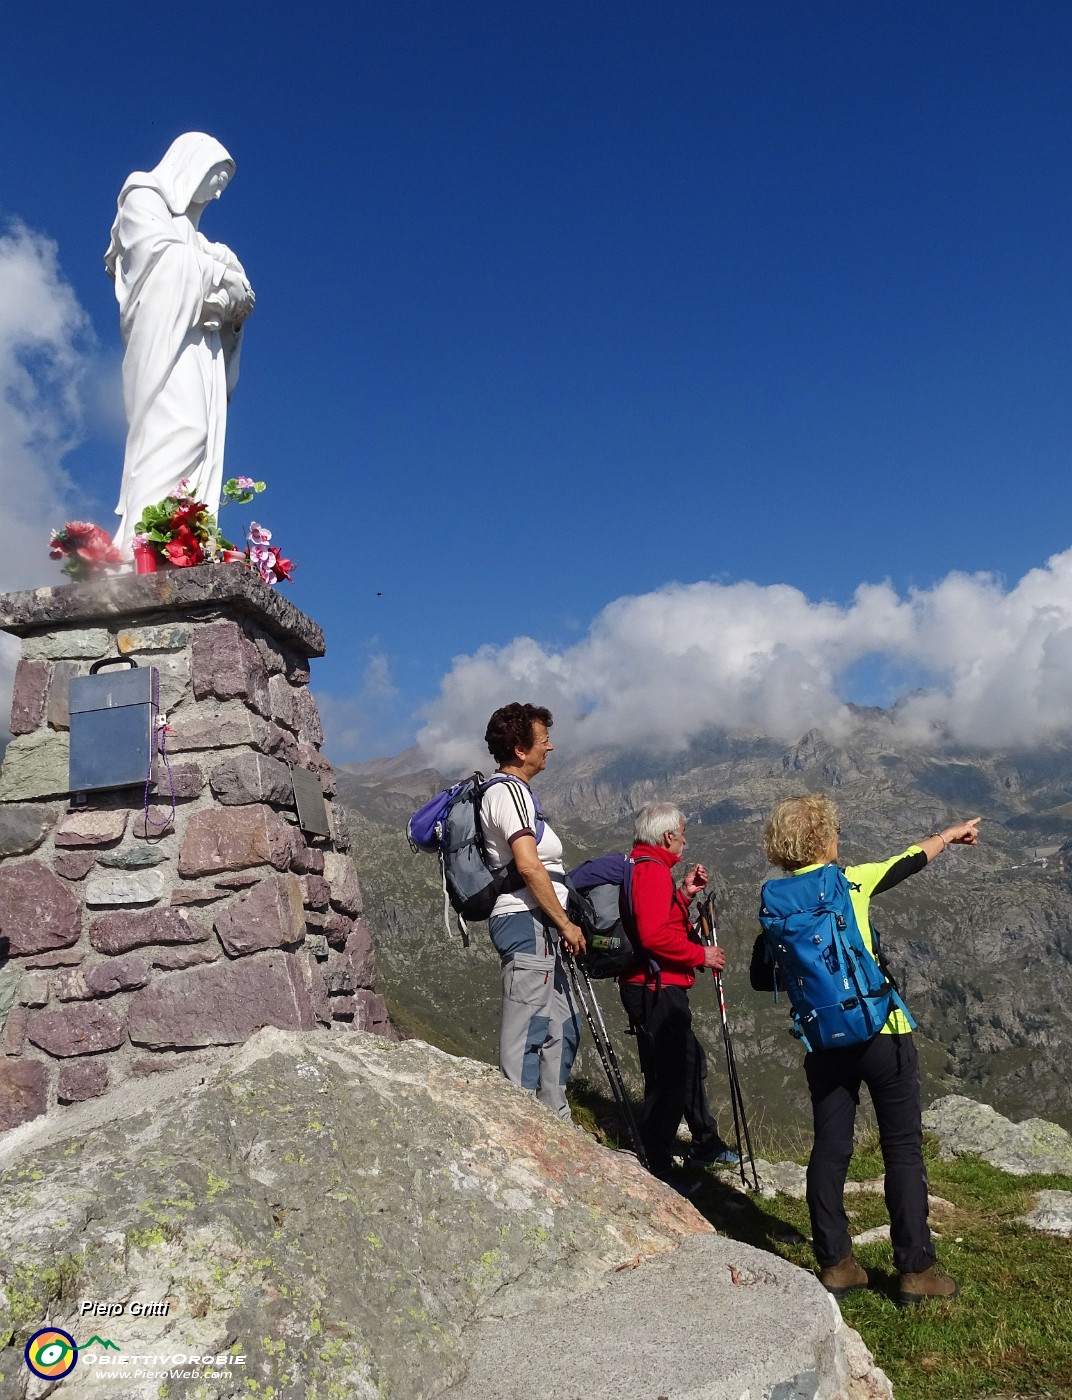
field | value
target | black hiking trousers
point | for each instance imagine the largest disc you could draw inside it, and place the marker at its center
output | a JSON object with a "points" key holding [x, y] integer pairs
{"points": [[889, 1066], [675, 1071]]}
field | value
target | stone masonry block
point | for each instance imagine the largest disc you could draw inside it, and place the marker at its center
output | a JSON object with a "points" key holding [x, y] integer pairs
{"points": [[61, 957], [29, 695], [35, 765], [314, 983], [228, 666], [274, 661], [187, 779], [81, 1079], [362, 954], [353, 966], [309, 727], [251, 777], [23, 1091], [298, 670], [340, 827], [85, 1028], [196, 894], [123, 974], [74, 643], [281, 695], [70, 985], [33, 989], [173, 958], [221, 1004], [235, 839], [341, 874], [216, 727], [124, 929], [111, 887], [221, 663], [281, 744], [13, 1038], [23, 827], [91, 828], [332, 926], [57, 711], [168, 636], [174, 673], [317, 891], [269, 916], [141, 857], [371, 1013], [155, 826], [309, 861], [37, 910], [75, 865]]}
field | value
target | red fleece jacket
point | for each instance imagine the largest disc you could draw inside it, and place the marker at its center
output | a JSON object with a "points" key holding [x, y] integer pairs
{"points": [[662, 919]]}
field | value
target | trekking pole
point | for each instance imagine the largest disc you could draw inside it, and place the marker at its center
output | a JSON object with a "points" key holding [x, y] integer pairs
{"points": [[606, 1053], [708, 930]]}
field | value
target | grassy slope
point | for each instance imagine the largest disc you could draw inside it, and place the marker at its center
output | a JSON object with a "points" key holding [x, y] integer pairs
{"points": [[1007, 1335], [1010, 1330]]}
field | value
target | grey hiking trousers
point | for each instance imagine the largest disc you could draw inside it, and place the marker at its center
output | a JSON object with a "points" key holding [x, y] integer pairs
{"points": [[540, 1029]]}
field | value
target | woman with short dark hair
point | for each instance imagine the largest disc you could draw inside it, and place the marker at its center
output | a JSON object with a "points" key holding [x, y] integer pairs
{"points": [[539, 1031]]}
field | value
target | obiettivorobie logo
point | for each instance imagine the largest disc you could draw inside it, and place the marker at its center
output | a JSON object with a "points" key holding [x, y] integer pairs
{"points": [[52, 1353]]}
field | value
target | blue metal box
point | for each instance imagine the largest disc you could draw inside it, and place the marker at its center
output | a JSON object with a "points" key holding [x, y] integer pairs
{"points": [[113, 726]]}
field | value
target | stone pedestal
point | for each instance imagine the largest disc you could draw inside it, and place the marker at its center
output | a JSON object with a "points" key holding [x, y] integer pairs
{"points": [[132, 934]]}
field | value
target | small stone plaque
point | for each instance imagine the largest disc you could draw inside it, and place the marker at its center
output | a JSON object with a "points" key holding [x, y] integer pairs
{"points": [[309, 796]]}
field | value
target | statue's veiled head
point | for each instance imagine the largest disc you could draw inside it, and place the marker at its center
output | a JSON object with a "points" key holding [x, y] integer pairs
{"points": [[186, 167]]}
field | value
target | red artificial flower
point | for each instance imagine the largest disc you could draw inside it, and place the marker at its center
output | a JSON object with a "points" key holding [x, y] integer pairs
{"points": [[187, 514], [284, 568], [185, 549], [86, 547]]}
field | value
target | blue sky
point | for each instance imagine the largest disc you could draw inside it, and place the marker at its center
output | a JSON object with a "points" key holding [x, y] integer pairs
{"points": [[566, 303]]}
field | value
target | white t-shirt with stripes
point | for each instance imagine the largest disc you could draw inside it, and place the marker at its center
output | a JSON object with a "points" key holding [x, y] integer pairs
{"points": [[506, 810]]}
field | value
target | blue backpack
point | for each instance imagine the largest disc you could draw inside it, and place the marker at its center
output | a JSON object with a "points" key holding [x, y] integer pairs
{"points": [[448, 825], [838, 993]]}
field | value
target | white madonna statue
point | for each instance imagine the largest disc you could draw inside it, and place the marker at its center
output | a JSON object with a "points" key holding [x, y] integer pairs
{"points": [[182, 303]]}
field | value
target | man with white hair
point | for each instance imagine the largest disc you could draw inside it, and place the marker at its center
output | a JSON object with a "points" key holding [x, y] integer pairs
{"points": [[655, 994]]}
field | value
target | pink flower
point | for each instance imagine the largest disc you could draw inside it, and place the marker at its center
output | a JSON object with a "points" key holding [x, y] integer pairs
{"points": [[258, 534], [244, 483]]}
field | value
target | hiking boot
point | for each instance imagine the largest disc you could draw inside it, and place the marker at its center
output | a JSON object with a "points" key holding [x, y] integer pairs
{"points": [[931, 1283], [719, 1154], [846, 1277]]}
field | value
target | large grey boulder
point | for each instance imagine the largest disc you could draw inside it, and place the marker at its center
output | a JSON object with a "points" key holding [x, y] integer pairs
{"points": [[1051, 1214], [963, 1126], [356, 1218]]}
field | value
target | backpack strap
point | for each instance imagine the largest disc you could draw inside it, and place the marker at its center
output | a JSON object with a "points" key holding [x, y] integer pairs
{"points": [[518, 783]]}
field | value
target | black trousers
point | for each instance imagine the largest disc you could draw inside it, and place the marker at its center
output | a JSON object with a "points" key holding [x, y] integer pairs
{"points": [[675, 1071], [889, 1066]]}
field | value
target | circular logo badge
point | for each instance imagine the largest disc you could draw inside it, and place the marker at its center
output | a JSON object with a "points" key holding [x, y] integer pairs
{"points": [[51, 1353]]}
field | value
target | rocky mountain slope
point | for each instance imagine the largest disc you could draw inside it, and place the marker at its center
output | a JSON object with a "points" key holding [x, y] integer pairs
{"points": [[981, 941]]}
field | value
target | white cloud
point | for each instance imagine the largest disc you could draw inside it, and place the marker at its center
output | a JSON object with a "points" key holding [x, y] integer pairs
{"points": [[45, 345], [657, 670], [368, 720]]}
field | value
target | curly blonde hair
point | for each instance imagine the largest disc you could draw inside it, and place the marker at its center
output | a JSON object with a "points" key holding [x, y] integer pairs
{"points": [[800, 831]]}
